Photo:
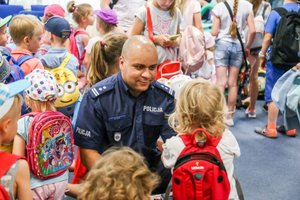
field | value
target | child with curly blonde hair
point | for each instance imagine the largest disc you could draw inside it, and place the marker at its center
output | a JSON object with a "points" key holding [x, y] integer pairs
{"points": [[120, 174], [201, 104]]}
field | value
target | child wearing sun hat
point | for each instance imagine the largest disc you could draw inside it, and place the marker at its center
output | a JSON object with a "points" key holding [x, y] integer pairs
{"points": [[40, 97]]}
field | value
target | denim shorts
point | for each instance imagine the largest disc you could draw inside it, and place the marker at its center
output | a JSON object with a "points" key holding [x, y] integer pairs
{"points": [[228, 54]]}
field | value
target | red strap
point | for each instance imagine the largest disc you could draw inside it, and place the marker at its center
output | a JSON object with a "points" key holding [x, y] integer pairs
{"points": [[7, 160], [149, 23]]}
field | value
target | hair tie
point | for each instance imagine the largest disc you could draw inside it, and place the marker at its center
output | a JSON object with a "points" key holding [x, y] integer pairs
{"points": [[102, 43], [74, 8]]}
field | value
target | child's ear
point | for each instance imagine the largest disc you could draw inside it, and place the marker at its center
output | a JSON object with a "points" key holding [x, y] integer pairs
{"points": [[27, 100], [4, 126], [26, 40]]}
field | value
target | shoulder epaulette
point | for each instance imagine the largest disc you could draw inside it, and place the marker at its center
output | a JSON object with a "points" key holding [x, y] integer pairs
{"points": [[164, 88], [101, 89]]}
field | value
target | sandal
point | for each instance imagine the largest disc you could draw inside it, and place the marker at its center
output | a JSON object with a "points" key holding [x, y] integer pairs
{"points": [[291, 132], [269, 133]]}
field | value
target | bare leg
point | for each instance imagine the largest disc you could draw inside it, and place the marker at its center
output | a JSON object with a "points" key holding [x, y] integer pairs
{"points": [[253, 81], [233, 89]]}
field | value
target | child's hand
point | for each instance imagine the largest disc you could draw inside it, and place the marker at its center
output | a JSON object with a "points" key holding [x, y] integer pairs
{"points": [[162, 40], [172, 43]]}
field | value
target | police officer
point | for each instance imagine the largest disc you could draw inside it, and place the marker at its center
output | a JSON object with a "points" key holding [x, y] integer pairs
{"points": [[127, 109]]}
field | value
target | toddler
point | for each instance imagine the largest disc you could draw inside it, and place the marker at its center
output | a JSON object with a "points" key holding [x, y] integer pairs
{"points": [[119, 174], [209, 114]]}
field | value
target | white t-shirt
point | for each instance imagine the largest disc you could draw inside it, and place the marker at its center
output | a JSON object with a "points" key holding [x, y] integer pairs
{"points": [[126, 10], [228, 148], [162, 23], [191, 7], [243, 11]]}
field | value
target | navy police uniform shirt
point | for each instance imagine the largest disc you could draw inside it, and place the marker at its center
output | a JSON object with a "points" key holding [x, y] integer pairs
{"points": [[110, 116]]}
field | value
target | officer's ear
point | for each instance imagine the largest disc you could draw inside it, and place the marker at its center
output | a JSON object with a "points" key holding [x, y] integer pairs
{"points": [[122, 63]]}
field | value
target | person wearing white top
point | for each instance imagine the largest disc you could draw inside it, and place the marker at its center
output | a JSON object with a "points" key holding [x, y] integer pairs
{"points": [[228, 51], [190, 114], [191, 13]]}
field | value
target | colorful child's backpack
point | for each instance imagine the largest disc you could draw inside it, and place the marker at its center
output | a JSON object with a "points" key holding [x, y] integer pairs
{"points": [[192, 49], [50, 146], [16, 72], [7, 160], [68, 87], [73, 45], [199, 172]]}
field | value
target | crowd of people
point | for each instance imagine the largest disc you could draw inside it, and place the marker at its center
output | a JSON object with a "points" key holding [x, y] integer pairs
{"points": [[128, 124]]}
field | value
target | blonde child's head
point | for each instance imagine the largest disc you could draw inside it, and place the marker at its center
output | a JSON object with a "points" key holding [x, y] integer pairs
{"points": [[26, 31], [105, 56], [200, 105], [42, 93], [120, 174], [107, 20], [10, 109], [82, 13]]}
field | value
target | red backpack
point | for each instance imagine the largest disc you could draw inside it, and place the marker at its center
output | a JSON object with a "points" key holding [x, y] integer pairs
{"points": [[7, 160], [199, 173], [73, 45], [50, 146]]}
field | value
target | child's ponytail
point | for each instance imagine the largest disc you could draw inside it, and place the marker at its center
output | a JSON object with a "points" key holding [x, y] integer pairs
{"points": [[71, 7], [233, 26], [95, 73], [105, 55], [79, 11]]}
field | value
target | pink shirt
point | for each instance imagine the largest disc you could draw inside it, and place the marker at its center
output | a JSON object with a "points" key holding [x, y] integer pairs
{"points": [[29, 65]]}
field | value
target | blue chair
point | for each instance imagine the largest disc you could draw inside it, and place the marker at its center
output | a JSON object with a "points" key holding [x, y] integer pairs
{"points": [[39, 14], [6, 10], [38, 7]]}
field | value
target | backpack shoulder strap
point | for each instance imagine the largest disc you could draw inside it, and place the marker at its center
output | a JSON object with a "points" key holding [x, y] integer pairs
{"points": [[149, 22], [23, 59], [65, 61], [7, 160], [281, 11], [76, 32], [264, 9]]}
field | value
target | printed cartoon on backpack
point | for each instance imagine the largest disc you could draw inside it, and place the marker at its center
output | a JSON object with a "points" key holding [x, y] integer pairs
{"points": [[68, 93], [50, 148], [286, 43]]}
